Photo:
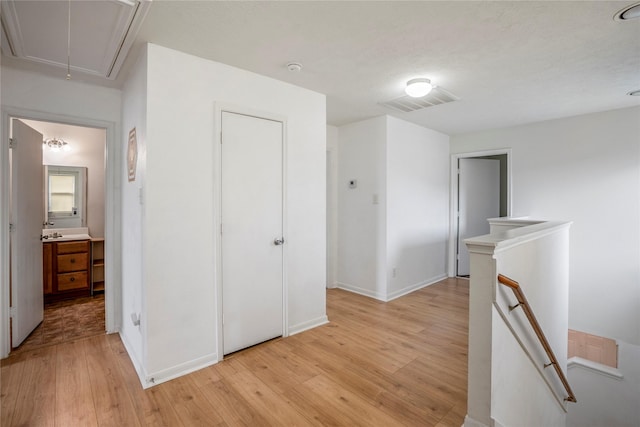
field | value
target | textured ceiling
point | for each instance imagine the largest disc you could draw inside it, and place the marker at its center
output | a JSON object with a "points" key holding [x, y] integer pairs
{"points": [[509, 62]]}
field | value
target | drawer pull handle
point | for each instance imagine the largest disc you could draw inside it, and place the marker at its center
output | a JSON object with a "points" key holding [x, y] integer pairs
{"points": [[73, 279], [73, 261]]}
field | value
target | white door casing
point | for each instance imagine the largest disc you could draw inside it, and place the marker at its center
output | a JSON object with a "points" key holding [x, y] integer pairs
{"points": [[113, 308], [27, 205], [478, 200], [251, 224]]}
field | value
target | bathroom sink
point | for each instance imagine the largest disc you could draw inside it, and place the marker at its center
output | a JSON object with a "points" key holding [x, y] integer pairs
{"points": [[67, 237], [65, 234]]}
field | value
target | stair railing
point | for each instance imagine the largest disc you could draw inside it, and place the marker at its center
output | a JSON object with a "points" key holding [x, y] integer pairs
{"points": [[522, 302]]}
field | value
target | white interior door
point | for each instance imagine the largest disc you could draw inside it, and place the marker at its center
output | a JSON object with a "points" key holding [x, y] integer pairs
{"points": [[27, 205], [252, 230], [478, 200]]}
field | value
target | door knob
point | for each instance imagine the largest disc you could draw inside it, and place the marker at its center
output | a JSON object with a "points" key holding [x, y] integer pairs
{"points": [[279, 242]]}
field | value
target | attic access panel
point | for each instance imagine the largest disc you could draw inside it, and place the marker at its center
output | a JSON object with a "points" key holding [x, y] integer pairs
{"points": [[102, 32]]}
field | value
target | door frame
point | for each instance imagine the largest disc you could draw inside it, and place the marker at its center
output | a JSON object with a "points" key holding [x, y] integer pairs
{"points": [[113, 165], [217, 161], [453, 200]]}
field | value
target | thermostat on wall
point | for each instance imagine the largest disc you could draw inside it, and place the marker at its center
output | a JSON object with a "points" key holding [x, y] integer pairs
{"points": [[353, 183]]}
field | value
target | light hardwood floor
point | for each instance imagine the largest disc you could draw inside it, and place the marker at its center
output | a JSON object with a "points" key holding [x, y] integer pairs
{"points": [[376, 364]]}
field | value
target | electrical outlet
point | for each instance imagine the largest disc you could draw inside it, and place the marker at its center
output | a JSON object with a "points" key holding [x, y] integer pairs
{"points": [[135, 318]]}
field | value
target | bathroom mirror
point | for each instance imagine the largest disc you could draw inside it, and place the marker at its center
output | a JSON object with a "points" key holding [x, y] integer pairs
{"points": [[65, 196]]}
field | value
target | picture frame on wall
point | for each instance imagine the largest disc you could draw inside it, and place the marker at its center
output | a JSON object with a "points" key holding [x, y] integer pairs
{"points": [[132, 155]]}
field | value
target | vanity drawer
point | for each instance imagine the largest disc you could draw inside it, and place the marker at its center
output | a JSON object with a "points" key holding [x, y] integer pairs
{"points": [[73, 281], [72, 247], [73, 262]]}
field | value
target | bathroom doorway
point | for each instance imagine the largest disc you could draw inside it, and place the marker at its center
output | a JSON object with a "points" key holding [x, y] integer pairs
{"points": [[74, 301]]}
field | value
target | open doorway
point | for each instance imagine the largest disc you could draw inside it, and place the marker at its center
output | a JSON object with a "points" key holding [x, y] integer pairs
{"points": [[480, 190], [73, 193]]}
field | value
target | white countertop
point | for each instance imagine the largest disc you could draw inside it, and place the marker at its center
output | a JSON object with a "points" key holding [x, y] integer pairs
{"points": [[67, 237], [68, 234]]}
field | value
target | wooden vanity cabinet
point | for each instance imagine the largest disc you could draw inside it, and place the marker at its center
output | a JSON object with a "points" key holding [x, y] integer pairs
{"points": [[66, 269], [47, 268]]}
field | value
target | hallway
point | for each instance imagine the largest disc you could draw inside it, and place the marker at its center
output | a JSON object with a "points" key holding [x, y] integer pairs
{"points": [[398, 363]]}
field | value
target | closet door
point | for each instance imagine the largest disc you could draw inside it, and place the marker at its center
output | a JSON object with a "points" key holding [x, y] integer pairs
{"points": [[252, 232]]}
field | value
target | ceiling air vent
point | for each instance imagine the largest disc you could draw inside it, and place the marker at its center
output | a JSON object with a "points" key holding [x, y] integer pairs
{"points": [[406, 104]]}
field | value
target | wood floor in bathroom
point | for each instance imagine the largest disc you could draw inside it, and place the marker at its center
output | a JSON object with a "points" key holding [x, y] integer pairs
{"points": [[66, 321]]}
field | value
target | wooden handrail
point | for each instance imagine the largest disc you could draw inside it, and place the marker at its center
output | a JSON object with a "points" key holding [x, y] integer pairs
{"points": [[522, 301]]}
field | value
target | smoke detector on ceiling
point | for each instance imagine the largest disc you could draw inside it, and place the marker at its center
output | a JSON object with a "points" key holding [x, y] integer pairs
{"points": [[294, 67]]}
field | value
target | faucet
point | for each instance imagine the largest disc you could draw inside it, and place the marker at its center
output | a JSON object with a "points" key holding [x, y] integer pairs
{"points": [[52, 235]]}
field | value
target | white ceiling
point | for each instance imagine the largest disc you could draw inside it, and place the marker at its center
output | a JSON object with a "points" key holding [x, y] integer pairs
{"points": [[509, 62]]}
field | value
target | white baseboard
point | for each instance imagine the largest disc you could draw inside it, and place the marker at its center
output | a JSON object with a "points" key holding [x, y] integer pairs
{"points": [[165, 375], [393, 295], [470, 422], [305, 326], [415, 287], [361, 291]]}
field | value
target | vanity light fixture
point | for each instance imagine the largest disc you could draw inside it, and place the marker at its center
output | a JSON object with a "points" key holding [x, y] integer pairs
{"points": [[419, 87], [629, 12], [57, 144]]}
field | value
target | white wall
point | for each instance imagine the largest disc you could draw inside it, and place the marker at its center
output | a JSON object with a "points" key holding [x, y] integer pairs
{"points": [[37, 92], [134, 115], [87, 150], [397, 217], [585, 169], [180, 291], [332, 206], [417, 206], [604, 400], [361, 223]]}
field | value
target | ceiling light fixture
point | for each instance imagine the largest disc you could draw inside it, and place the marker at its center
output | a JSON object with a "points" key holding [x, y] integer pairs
{"points": [[634, 93], [417, 88], [629, 12], [57, 144]]}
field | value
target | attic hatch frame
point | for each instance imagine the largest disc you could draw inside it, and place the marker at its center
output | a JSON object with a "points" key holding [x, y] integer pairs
{"points": [[127, 22]]}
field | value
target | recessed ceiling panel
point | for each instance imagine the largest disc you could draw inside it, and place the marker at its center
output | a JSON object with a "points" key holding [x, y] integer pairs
{"points": [[101, 32]]}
